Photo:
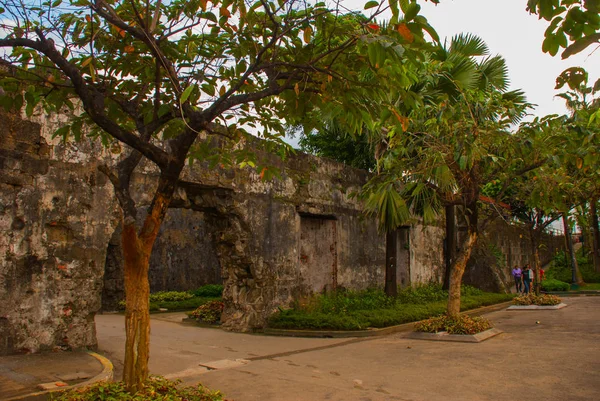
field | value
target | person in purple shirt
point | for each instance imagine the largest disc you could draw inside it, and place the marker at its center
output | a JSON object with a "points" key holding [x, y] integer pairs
{"points": [[517, 273]]}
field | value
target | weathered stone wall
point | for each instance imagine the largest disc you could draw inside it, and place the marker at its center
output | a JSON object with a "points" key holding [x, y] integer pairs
{"points": [[270, 242], [55, 221], [502, 247], [427, 254], [283, 239]]}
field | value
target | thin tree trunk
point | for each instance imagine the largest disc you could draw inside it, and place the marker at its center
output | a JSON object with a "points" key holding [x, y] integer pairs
{"points": [[457, 271], [450, 254], [137, 315], [136, 255], [537, 264], [595, 235], [391, 260], [576, 277]]}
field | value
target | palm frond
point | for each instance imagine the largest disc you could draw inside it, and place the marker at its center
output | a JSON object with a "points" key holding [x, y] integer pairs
{"points": [[519, 103], [495, 73], [468, 45], [389, 207], [465, 74]]}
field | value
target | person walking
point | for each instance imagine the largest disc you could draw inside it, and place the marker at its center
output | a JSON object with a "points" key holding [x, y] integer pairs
{"points": [[517, 273], [527, 277]]}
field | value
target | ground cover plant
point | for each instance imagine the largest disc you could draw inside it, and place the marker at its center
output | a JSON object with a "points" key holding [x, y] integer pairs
{"points": [[182, 300], [532, 299], [155, 389], [452, 325], [359, 310]]}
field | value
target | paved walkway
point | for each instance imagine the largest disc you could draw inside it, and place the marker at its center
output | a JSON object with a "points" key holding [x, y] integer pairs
{"points": [[23, 375], [557, 359]]}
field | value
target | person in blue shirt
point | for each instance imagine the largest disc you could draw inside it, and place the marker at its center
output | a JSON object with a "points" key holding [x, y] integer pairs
{"points": [[517, 275]]}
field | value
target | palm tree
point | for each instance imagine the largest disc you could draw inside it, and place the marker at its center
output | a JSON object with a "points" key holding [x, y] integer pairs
{"points": [[453, 144]]}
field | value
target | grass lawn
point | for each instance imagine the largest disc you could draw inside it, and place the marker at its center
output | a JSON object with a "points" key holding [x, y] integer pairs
{"points": [[372, 308]]}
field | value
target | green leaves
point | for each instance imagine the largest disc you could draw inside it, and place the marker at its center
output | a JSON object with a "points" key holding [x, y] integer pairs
{"points": [[371, 4], [186, 93], [574, 24]]}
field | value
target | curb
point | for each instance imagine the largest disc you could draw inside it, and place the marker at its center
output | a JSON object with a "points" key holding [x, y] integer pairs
{"points": [[372, 332], [536, 307], [580, 293], [105, 375], [461, 338]]}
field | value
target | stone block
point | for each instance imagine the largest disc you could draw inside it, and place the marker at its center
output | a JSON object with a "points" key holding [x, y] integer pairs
{"points": [[52, 386], [463, 338]]}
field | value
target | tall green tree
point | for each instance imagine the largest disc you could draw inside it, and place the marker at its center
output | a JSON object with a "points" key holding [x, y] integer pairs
{"points": [[444, 152], [156, 75]]}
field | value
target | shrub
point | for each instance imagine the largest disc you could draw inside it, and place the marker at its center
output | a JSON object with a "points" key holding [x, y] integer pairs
{"points": [[347, 301], [422, 294], [170, 296], [294, 319], [460, 325], [362, 319], [155, 389], [561, 268], [532, 299], [187, 304], [554, 285], [432, 293], [209, 313], [209, 291]]}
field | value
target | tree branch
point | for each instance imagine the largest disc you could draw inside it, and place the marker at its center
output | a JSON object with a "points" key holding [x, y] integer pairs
{"points": [[92, 100]]}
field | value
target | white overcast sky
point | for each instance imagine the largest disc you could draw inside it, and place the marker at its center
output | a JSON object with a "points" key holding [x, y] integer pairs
{"points": [[509, 30]]}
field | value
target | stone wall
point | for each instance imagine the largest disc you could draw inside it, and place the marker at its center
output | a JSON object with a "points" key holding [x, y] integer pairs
{"points": [[501, 247], [270, 242], [55, 219]]}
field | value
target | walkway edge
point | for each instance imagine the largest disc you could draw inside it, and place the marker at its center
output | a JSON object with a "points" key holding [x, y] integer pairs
{"points": [[105, 375], [373, 332]]}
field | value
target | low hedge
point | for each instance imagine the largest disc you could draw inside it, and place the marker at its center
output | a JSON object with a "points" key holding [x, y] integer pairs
{"points": [[208, 291], [555, 285], [188, 304], [397, 313]]}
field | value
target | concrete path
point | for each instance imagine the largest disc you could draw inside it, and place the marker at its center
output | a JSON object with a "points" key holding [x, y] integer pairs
{"points": [[32, 376], [557, 359]]}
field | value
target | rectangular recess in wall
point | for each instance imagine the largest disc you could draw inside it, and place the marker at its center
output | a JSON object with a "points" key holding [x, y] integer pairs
{"points": [[318, 253]]}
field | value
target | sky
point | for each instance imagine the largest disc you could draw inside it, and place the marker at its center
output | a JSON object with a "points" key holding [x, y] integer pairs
{"points": [[510, 31]]}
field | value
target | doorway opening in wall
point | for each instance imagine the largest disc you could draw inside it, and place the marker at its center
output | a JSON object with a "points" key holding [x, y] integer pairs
{"points": [[317, 259], [175, 263]]}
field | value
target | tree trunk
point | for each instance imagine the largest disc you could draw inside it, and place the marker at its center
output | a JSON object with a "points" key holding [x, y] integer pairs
{"points": [[450, 253], [535, 240], [136, 255], [137, 315], [391, 260], [595, 234], [456, 273], [576, 277]]}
